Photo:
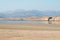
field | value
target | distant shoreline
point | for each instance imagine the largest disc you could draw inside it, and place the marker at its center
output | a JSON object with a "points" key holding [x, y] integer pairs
{"points": [[57, 18]]}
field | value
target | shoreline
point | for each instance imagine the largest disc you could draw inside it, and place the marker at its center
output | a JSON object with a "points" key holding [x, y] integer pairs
{"points": [[55, 18]]}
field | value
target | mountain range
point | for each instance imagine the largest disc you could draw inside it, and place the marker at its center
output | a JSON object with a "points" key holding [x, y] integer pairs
{"points": [[28, 13]]}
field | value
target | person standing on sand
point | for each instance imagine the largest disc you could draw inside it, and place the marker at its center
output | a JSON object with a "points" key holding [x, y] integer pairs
{"points": [[49, 18]]}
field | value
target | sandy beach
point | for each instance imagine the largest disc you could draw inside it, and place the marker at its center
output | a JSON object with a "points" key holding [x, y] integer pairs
{"points": [[29, 19], [21, 31], [10, 34]]}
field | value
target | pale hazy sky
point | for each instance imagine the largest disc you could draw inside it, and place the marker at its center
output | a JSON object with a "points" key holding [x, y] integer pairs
{"points": [[6, 5]]}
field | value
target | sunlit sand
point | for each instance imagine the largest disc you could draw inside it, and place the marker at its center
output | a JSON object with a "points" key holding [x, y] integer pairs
{"points": [[11, 34], [29, 31]]}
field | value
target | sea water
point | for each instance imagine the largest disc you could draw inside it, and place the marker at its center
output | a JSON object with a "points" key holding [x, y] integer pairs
{"points": [[30, 21]]}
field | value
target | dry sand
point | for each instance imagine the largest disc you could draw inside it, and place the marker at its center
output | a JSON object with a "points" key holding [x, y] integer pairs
{"points": [[29, 32], [10, 34]]}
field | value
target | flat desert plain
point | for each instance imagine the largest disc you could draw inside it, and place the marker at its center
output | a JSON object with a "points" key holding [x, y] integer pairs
{"points": [[29, 31]]}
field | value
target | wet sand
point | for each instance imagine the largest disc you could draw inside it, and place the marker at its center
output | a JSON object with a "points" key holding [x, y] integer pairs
{"points": [[29, 31], [30, 26]]}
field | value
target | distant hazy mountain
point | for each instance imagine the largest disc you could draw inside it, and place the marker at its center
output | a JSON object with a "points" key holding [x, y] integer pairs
{"points": [[28, 13]]}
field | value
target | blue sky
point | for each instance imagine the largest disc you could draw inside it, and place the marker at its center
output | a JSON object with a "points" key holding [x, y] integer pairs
{"points": [[6, 5]]}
